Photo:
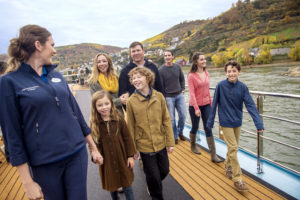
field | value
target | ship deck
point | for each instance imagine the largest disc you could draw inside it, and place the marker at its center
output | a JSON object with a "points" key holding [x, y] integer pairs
{"points": [[191, 176]]}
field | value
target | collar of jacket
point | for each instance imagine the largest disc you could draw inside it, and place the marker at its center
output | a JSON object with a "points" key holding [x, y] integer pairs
{"points": [[113, 118], [230, 83], [148, 96], [131, 64], [151, 100], [27, 68]]}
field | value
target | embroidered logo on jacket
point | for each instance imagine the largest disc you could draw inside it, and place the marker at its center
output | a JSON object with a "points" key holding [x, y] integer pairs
{"points": [[30, 88]]}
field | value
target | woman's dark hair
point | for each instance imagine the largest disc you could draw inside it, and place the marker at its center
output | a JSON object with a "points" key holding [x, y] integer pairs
{"points": [[194, 66], [22, 47]]}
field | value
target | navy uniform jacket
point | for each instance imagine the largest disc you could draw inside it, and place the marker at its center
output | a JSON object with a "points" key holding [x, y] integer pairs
{"points": [[41, 122], [124, 83], [229, 97]]}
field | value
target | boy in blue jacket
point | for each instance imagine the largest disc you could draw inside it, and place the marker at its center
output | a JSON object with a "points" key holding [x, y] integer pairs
{"points": [[229, 96]]}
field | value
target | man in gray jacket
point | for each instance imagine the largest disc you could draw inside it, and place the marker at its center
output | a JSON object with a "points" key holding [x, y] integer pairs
{"points": [[173, 85]]}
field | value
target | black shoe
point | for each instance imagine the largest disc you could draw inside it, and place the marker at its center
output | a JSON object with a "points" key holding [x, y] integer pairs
{"points": [[182, 137], [176, 141]]}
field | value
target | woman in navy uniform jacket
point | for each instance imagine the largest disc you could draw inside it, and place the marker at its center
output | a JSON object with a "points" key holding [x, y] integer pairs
{"points": [[41, 122]]}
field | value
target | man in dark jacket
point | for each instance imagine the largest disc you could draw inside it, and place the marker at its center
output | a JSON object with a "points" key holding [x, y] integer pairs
{"points": [[137, 59]]}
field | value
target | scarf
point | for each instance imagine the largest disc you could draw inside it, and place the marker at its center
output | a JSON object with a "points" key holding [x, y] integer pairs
{"points": [[109, 84]]}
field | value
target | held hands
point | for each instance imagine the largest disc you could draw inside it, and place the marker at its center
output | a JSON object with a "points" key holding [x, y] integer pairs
{"points": [[136, 156], [33, 190], [130, 162], [170, 149], [124, 97], [96, 157], [198, 113]]}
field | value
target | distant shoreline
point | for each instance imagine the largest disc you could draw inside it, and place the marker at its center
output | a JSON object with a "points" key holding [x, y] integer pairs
{"points": [[284, 63]]}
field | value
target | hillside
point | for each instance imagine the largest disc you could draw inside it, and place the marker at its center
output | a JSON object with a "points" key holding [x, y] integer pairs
{"points": [[267, 23], [74, 55]]}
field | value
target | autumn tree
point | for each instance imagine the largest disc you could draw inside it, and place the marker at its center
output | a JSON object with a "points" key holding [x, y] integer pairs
{"points": [[264, 56], [219, 59], [295, 53]]}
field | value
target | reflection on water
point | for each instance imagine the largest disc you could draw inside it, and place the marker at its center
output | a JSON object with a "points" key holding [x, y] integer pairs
{"points": [[269, 79]]}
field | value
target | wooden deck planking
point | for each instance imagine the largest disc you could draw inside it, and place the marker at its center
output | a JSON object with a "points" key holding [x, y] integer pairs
{"points": [[214, 183], [11, 187], [219, 176], [253, 185], [211, 177]]}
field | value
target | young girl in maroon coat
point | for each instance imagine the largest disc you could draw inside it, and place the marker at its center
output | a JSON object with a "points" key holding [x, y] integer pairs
{"points": [[111, 135]]}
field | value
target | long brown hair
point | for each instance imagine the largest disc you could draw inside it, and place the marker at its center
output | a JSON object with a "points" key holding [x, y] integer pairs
{"points": [[95, 71], [95, 117], [194, 66], [22, 47]]}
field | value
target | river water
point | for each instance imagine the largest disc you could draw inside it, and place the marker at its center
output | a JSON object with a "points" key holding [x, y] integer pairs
{"points": [[268, 79]]}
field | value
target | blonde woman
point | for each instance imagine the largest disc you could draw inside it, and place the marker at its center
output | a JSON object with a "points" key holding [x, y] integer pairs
{"points": [[103, 77]]}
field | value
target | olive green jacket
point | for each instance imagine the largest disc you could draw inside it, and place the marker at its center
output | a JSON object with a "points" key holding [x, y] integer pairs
{"points": [[149, 122]]}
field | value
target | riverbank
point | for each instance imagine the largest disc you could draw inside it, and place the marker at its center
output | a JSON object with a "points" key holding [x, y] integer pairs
{"points": [[282, 63]]}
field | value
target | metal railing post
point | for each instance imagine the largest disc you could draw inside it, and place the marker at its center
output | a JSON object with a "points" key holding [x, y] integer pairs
{"points": [[259, 138]]}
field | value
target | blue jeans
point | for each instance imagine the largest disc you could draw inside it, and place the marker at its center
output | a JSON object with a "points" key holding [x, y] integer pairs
{"points": [[205, 110], [128, 193], [177, 103]]}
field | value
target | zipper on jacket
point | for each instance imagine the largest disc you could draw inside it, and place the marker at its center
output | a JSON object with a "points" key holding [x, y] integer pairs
{"points": [[37, 127], [57, 101]]}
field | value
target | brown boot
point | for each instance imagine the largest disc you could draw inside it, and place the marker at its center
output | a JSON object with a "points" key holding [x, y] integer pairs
{"points": [[241, 186], [181, 137], [212, 150], [193, 144]]}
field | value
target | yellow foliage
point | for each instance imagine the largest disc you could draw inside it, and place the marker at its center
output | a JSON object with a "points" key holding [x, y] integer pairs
{"points": [[154, 39], [219, 60], [295, 53], [160, 45]]}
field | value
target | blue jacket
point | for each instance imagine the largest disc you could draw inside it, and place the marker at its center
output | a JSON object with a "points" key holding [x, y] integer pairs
{"points": [[41, 122], [124, 83], [230, 98]]}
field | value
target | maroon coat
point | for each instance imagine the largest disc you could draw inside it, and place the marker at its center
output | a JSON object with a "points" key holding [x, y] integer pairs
{"points": [[116, 145]]}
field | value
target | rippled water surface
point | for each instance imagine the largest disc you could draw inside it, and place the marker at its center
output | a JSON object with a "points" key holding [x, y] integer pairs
{"points": [[269, 79]]}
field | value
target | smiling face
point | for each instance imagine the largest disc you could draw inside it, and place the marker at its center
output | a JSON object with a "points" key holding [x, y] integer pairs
{"points": [[103, 107], [140, 82], [137, 54], [168, 57], [201, 61], [102, 64], [47, 51], [232, 73]]}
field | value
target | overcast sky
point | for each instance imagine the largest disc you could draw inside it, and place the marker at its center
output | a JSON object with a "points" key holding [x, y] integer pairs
{"points": [[108, 22]]}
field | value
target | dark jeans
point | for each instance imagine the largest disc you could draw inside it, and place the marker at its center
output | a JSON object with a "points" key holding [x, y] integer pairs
{"points": [[128, 193], [156, 168], [205, 110]]}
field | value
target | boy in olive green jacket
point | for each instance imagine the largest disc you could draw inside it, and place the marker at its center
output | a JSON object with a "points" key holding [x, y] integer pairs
{"points": [[150, 125]]}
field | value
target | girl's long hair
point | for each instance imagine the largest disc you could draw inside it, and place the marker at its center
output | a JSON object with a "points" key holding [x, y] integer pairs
{"points": [[95, 71], [194, 66], [95, 117]]}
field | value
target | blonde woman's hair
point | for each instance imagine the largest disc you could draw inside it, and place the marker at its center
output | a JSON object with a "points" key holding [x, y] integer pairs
{"points": [[22, 47], [144, 72], [95, 71], [95, 117]]}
